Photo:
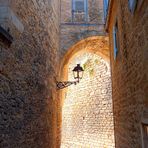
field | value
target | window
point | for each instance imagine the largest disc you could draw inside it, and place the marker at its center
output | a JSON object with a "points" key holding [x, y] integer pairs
{"points": [[106, 3], [132, 5], [145, 135], [116, 40], [79, 6], [79, 10]]}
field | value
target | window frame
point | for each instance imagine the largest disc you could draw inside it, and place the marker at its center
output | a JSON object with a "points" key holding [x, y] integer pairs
{"points": [[75, 5], [132, 4], [115, 40], [85, 9], [105, 7]]}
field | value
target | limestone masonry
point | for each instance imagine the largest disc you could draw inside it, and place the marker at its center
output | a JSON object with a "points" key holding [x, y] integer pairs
{"points": [[41, 41], [27, 73], [130, 73], [87, 110]]}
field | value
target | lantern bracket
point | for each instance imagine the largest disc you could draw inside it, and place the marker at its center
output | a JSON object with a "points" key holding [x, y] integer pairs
{"points": [[64, 84]]}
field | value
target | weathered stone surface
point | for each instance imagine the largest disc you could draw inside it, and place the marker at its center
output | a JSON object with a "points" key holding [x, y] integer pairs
{"points": [[129, 72], [27, 77], [87, 118], [30, 113], [94, 8], [71, 34], [7, 15], [74, 31]]}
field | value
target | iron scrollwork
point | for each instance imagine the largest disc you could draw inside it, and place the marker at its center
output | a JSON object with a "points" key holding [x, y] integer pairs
{"points": [[61, 85]]}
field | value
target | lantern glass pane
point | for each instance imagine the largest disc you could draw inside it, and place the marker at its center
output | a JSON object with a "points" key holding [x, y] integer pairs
{"points": [[75, 74], [81, 74]]}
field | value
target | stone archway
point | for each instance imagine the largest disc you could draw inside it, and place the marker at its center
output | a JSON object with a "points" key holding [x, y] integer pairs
{"points": [[87, 119]]}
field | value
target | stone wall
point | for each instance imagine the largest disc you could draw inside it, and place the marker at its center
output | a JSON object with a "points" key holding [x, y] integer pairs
{"points": [[27, 75], [94, 8], [72, 31], [87, 119], [129, 72], [72, 34]]}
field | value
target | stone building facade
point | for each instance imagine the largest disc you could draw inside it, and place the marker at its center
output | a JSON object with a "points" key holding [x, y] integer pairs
{"points": [[127, 24], [29, 35], [80, 19]]}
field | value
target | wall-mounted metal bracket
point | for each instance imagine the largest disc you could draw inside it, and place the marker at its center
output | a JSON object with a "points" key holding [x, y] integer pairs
{"points": [[61, 85]]}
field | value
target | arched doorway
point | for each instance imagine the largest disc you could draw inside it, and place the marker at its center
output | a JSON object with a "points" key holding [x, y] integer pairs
{"points": [[87, 119]]}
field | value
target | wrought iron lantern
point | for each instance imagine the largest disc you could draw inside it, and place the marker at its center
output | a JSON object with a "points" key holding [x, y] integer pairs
{"points": [[77, 74]]}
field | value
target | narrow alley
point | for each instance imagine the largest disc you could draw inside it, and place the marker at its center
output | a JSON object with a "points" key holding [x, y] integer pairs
{"points": [[73, 74]]}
